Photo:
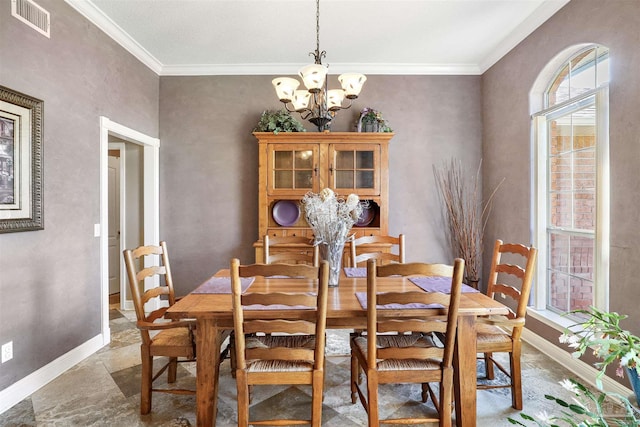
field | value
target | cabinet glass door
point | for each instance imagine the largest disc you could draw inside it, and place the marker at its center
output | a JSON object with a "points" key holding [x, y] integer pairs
{"points": [[293, 169], [355, 168]]}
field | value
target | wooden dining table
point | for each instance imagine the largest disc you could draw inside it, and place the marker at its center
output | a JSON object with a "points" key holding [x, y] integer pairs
{"points": [[213, 314]]}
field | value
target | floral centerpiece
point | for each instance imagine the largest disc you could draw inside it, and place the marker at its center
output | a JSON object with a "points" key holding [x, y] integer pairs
{"points": [[331, 218]]}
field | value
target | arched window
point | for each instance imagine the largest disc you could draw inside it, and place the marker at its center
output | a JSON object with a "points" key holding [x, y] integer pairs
{"points": [[571, 193]]}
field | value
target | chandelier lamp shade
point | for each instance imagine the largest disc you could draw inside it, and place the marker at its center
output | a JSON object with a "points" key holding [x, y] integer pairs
{"points": [[318, 103]]}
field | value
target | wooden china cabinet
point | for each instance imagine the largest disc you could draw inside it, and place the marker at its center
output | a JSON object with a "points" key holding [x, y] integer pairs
{"points": [[292, 164]]}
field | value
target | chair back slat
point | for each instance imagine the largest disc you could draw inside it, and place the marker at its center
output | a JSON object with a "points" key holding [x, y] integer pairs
{"points": [[365, 248], [293, 270], [290, 249], [411, 325], [415, 269], [280, 325], [151, 271], [514, 270], [279, 298], [280, 353]]}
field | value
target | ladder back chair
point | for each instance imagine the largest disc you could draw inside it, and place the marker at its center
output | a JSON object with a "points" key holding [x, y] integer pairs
{"points": [[175, 339], [361, 249], [299, 249], [287, 349], [405, 350], [499, 334]]}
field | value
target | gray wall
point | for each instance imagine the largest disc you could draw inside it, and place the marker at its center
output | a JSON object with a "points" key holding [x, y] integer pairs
{"points": [[506, 136], [50, 279], [209, 161]]}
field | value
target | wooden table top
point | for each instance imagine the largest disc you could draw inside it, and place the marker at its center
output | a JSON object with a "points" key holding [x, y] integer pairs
{"points": [[343, 311]]}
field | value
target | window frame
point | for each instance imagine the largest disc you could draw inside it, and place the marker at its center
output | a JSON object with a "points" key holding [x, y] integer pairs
{"points": [[540, 218]]}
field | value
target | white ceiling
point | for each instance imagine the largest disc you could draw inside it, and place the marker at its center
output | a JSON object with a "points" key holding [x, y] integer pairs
{"points": [[230, 37]]}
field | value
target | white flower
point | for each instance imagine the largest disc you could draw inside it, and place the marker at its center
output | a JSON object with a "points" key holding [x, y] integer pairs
{"points": [[352, 201], [327, 194], [627, 358], [568, 385], [572, 340]]}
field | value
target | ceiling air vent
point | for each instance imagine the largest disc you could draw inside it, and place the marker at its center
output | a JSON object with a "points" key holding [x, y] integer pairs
{"points": [[31, 14]]}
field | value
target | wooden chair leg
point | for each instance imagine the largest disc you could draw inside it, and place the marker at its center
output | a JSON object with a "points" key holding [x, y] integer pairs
{"points": [[354, 378], [516, 379], [243, 399], [172, 372], [317, 396], [372, 399], [445, 407], [488, 366], [147, 375]]}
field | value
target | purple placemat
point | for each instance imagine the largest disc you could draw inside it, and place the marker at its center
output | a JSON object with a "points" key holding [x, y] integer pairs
{"points": [[221, 285], [438, 284], [362, 299], [355, 271]]}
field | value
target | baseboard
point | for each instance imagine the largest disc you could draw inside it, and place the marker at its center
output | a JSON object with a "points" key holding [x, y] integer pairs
{"points": [[25, 387], [584, 371]]}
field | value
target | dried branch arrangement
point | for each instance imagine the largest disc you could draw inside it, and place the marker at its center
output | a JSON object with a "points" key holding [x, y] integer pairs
{"points": [[465, 213]]}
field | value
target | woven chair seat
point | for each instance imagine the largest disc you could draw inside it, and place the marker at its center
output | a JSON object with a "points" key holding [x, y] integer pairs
{"points": [[492, 334], [412, 340], [278, 366], [288, 341]]}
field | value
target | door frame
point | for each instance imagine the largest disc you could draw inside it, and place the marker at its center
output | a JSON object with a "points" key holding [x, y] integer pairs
{"points": [[151, 202]]}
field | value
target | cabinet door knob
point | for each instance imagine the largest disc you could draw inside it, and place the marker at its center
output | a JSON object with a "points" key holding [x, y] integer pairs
{"points": [[331, 168], [315, 170]]}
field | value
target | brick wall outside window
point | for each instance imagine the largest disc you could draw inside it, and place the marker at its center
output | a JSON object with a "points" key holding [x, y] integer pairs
{"points": [[572, 206]]}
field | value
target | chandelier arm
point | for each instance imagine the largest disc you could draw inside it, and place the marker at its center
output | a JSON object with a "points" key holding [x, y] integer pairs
{"points": [[286, 106], [343, 107]]}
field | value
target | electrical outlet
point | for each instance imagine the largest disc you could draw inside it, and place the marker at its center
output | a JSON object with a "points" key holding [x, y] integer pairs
{"points": [[7, 351]]}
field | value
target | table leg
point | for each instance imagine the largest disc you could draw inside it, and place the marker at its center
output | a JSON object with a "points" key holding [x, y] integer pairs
{"points": [[207, 367], [465, 372]]}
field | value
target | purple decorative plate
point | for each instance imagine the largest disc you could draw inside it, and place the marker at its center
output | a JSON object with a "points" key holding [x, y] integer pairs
{"points": [[368, 213], [285, 213]]}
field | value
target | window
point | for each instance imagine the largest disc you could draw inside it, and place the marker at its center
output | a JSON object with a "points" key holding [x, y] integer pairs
{"points": [[571, 204]]}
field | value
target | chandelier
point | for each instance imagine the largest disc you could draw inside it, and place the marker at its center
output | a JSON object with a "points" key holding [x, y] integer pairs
{"points": [[317, 103]]}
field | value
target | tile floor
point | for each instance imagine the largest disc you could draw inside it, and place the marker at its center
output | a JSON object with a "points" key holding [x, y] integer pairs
{"points": [[103, 390]]}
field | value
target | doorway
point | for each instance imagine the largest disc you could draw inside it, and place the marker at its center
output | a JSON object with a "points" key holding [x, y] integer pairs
{"points": [[149, 232]]}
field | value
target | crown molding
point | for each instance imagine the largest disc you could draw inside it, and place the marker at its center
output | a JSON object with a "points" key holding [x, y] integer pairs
{"points": [[109, 27], [545, 11], [113, 30], [291, 69]]}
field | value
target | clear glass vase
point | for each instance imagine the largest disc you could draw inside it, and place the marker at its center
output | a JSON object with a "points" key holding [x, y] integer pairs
{"points": [[332, 252]]}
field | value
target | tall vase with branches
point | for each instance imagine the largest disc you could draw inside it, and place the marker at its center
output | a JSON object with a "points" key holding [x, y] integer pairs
{"points": [[465, 213]]}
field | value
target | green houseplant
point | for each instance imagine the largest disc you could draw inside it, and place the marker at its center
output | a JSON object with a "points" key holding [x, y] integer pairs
{"points": [[278, 121]]}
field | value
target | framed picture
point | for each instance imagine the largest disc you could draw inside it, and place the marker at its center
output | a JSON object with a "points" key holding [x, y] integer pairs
{"points": [[21, 207]]}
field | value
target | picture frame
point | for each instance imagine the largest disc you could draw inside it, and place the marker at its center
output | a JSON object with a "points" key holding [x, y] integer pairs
{"points": [[21, 184]]}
